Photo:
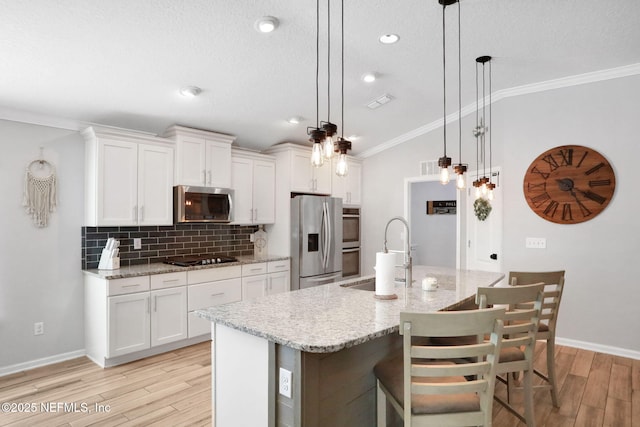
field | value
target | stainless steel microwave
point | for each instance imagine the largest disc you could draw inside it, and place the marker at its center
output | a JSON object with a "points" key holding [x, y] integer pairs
{"points": [[202, 204]]}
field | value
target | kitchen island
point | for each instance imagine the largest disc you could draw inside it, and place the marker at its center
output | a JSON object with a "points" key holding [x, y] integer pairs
{"points": [[329, 337]]}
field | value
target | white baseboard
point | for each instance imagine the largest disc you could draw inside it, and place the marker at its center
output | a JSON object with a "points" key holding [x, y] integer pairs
{"points": [[615, 351], [19, 367]]}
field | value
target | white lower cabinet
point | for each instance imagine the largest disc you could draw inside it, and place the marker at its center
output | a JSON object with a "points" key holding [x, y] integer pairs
{"points": [[168, 315], [128, 324], [135, 317], [210, 287]]}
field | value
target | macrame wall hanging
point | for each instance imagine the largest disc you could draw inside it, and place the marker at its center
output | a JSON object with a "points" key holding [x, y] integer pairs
{"points": [[40, 197]]}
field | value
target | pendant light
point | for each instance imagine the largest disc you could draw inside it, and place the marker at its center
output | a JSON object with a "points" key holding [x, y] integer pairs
{"points": [[330, 129], [460, 168], [317, 134], [444, 162], [342, 167], [484, 185]]}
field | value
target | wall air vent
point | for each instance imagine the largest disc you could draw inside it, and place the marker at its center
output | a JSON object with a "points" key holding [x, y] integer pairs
{"points": [[380, 101], [429, 167]]}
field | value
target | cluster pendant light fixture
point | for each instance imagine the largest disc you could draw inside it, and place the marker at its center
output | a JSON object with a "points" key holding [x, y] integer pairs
{"points": [[483, 185], [317, 134], [444, 162], [324, 134]]}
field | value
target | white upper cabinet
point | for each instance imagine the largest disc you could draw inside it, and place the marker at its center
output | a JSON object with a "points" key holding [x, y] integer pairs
{"points": [[253, 181], [303, 177], [349, 187], [128, 178], [203, 158]]}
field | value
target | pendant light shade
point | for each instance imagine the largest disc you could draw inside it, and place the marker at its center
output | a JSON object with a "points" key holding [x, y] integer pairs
{"points": [[342, 145]]}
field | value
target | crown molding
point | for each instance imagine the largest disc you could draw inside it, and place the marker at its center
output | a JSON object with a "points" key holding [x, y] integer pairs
{"points": [[564, 82]]}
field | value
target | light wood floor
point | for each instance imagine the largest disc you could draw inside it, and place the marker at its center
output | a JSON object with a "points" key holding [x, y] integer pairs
{"points": [[174, 389]]}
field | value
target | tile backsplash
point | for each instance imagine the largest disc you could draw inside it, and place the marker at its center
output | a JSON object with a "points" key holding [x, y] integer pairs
{"points": [[159, 242]]}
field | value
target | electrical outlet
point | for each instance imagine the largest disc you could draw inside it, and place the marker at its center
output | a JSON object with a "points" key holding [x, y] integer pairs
{"points": [[137, 243], [38, 328], [285, 383], [536, 243]]}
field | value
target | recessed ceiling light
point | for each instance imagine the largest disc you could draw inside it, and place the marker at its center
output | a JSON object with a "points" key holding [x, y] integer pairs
{"points": [[190, 91], [266, 24], [354, 137], [369, 77], [389, 38], [294, 120]]}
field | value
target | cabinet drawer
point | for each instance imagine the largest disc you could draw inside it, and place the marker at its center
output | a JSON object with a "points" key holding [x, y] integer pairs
{"points": [[254, 269], [168, 280], [213, 274], [275, 266], [214, 293], [128, 285]]}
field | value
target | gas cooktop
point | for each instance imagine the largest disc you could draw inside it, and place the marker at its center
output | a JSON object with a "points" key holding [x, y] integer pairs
{"points": [[192, 260]]}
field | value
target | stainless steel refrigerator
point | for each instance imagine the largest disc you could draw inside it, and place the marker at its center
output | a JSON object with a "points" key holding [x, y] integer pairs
{"points": [[316, 241]]}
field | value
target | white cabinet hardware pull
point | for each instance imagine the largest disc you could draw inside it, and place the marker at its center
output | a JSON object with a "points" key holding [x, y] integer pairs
{"points": [[170, 280], [204, 176], [209, 177], [218, 294], [155, 303], [131, 286]]}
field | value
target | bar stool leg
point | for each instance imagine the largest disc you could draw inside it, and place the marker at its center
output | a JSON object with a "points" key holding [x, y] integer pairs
{"points": [[551, 370]]}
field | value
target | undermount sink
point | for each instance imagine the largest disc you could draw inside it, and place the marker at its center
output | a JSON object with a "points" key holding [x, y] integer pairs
{"points": [[367, 285]]}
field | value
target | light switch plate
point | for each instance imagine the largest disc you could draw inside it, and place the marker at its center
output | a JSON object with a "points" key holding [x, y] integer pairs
{"points": [[137, 243], [536, 243], [285, 383]]}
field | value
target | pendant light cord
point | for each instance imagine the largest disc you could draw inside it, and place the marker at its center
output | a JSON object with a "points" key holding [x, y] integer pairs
{"points": [[342, 64], [459, 90], [317, 64], [477, 130], [444, 83], [490, 117], [484, 117], [329, 61]]}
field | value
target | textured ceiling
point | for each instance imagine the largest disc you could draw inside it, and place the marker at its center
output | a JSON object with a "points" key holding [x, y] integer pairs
{"points": [[122, 62]]}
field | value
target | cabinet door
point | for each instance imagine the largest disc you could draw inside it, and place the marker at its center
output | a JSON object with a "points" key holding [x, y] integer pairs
{"points": [[117, 182], [155, 183], [254, 286], [278, 282], [264, 192], [191, 161], [301, 173], [322, 178], [168, 315], [241, 182], [354, 184], [218, 164], [128, 323]]}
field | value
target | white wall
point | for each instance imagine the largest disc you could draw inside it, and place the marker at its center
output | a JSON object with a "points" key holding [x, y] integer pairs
{"points": [[434, 236], [599, 308], [40, 276]]}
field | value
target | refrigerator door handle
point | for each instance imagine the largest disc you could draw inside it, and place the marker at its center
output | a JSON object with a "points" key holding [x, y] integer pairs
{"points": [[324, 278], [329, 234], [325, 248]]}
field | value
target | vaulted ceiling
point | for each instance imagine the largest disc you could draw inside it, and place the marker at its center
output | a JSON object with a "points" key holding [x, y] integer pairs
{"points": [[121, 62]]}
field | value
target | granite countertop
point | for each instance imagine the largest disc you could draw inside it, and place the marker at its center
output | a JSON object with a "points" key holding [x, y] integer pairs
{"points": [[328, 318], [160, 268]]}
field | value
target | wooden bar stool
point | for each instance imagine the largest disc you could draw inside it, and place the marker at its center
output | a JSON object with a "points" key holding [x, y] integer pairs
{"points": [[554, 281], [425, 387]]}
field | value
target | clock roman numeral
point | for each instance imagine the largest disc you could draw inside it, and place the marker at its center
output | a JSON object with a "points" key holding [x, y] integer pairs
{"points": [[551, 161], [540, 199], [544, 175], [583, 209], [599, 182], [536, 187], [566, 212], [584, 156], [567, 157], [551, 208], [595, 197], [594, 169]]}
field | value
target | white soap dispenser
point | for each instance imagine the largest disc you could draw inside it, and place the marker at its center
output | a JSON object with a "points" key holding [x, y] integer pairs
{"points": [[260, 243]]}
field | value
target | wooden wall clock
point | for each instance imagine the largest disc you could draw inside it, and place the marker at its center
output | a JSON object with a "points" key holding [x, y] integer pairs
{"points": [[569, 184]]}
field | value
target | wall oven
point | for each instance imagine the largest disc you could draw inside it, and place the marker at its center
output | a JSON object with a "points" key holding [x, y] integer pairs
{"points": [[350, 242]]}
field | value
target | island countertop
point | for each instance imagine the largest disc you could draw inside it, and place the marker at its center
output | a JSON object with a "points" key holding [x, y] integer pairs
{"points": [[329, 318]]}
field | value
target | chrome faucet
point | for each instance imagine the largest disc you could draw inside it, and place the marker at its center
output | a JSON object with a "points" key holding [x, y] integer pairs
{"points": [[407, 253]]}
